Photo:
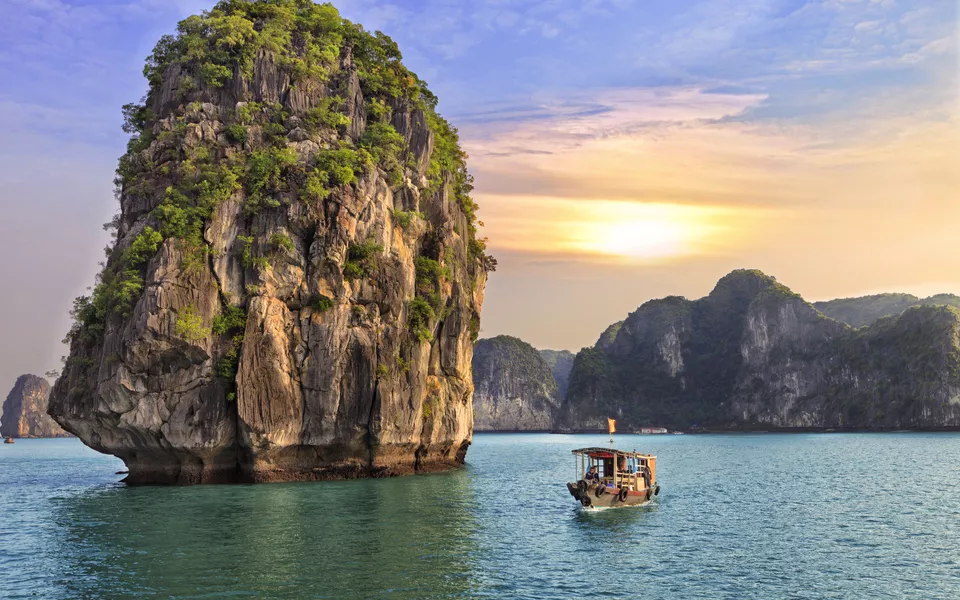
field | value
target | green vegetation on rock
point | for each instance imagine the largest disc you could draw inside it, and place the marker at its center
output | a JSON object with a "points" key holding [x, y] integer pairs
{"points": [[232, 318], [321, 303], [189, 325], [361, 260], [236, 133], [421, 317], [404, 218], [222, 45]]}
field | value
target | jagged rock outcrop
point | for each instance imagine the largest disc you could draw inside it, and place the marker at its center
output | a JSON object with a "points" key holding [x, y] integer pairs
{"points": [[560, 363], [514, 387], [753, 354], [296, 283], [866, 310], [25, 411]]}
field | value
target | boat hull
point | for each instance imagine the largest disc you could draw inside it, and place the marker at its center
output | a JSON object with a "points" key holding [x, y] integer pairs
{"points": [[595, 496]]}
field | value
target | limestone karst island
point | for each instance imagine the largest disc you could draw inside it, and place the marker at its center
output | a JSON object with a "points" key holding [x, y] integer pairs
{"points": [[296, 281], [479, 300]]}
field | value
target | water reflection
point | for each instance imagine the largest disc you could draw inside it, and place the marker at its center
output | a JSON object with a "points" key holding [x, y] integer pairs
{"points": [[740, 516], [406, 538]]}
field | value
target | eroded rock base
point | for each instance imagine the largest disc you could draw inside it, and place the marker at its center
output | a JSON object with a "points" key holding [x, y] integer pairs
{"points": [[295, 464]]}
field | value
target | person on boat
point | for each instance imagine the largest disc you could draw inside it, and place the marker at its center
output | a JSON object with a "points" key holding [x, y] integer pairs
{"points": [[591, 476], [647, 475]]}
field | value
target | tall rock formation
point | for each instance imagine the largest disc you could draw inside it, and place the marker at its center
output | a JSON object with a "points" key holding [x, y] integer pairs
{"points": [[514, 387], [25, 410], [297, 280], [866, 310], [753, 354]]}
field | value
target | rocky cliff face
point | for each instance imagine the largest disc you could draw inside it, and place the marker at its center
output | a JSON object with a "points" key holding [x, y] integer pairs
{"points": [[560, 363], [296, 283], [753, 354], [514, 387], [866, 310], [25, 410]]}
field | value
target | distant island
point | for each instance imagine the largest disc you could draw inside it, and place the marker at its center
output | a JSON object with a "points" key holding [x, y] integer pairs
{"points": [[25, 411], [752, 355], [516, 386]]}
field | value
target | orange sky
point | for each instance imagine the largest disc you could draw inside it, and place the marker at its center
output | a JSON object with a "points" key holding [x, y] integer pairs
{"points": [[665, 193]]}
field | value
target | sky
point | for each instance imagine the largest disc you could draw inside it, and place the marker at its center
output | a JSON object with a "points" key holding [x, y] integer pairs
{"points": [[623, 149]]}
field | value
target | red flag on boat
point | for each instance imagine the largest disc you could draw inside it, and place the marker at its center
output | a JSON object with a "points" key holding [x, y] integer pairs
{"points": [[612, 425]]}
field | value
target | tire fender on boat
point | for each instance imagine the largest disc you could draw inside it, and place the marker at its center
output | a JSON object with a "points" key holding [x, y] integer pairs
{"points": [[623, 495], [649, 493], [585, 501], [601, 489], [656, 492]]}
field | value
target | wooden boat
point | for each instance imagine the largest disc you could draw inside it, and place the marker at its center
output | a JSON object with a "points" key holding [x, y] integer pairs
{"points": [[8, 440], [622, 478]]}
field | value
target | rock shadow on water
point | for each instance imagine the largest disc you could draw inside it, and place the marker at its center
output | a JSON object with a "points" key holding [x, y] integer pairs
{"points": [[409, 537]]}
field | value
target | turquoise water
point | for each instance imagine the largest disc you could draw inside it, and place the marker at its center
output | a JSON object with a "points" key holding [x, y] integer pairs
{"points": [[740, 516]]}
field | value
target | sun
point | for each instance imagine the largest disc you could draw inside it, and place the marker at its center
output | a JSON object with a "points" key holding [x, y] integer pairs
{"points": [[618, 231], [642, 239], [646, 232]]}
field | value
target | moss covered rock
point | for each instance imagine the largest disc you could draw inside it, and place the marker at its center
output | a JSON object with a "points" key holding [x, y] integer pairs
{"points": [[264, 314]]}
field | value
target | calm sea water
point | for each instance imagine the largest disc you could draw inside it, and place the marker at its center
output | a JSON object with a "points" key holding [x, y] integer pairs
{"points": [[740, 516]]}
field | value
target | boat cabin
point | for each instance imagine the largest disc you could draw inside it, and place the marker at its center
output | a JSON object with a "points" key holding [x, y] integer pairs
{"points": [[618, 468]]}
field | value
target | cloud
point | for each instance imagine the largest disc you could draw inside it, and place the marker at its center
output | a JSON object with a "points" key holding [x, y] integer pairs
{"points": [[608, 113], [540, 181]]}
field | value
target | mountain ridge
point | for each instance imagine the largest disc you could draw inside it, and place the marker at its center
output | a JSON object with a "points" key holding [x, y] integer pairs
{"points": [[753, 354]]}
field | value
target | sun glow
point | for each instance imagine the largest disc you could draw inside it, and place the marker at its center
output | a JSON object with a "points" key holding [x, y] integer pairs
{"points": [[648, 232], [614, 230]]}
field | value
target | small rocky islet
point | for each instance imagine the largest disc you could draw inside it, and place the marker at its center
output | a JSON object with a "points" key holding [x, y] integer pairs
{"points": [[297, 278], [516, 386], [25, 411]]}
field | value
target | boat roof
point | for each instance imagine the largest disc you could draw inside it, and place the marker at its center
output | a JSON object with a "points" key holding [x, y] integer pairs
{"points": [[610, 453]]}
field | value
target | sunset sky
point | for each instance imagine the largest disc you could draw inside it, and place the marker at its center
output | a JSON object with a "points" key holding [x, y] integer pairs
{"points": [[623, 149]]}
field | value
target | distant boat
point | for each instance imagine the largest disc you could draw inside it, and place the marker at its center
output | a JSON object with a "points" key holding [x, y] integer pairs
{"points": [[8, 440], [618, 478], [653, 430]]}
